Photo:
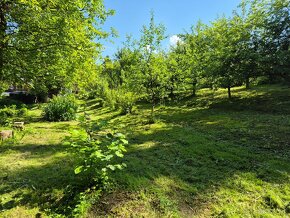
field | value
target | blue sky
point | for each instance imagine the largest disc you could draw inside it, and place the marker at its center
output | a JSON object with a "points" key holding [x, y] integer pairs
{"points": [[177, 15]]}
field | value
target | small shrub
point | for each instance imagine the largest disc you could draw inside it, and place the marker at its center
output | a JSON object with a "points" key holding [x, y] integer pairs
{"points": [[22, 112], [110, 97], [4, 120], [120, 99], [7, 114], [85, 201], [125, 101], [9, 111], [98, 153], [61, 108]]}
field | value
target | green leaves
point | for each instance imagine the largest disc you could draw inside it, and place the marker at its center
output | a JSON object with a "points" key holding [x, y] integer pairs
{"points": [[97, 153], [61, 108], [51, 43], [119, 154], [111, 167], [78, 169]]}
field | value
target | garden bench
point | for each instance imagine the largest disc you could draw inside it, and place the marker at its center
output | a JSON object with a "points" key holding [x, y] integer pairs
{"points": [[18, 125]]}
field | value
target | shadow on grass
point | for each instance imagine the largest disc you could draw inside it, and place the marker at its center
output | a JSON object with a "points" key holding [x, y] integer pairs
{"points": [[35, 150], [201, 150], [191, 155], [44, 187], [271, 104], [197, 165], [91, 105], [52, 186]]}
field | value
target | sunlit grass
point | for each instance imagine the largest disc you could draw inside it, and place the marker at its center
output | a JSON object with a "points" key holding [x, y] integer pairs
{"points": [[204, 156], [214, 157]]}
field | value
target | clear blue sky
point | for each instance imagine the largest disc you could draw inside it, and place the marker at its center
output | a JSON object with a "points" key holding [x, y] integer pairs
{"points": [[177, 15]]}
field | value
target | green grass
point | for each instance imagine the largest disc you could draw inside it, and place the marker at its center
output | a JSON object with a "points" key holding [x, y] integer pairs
{"points": [[205, 156]]}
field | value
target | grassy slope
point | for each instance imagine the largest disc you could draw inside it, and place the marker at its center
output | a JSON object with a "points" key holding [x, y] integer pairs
{"points": [[204, 157]]}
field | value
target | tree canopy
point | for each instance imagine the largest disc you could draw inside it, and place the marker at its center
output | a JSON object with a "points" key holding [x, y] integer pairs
{"points": [[48, 44], [228, 52]]}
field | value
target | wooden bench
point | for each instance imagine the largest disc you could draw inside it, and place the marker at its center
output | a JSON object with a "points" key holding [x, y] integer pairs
{"points": [[18, 125]]}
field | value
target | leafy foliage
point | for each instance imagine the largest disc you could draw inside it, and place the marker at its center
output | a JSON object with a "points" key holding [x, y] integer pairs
{"points": [[35, 36], [121, 99], [61, 108], [98, 152], [126, 101], [230, 51], [7, 114]]}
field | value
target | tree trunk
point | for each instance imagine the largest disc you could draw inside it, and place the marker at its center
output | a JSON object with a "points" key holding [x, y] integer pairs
{"points": [[171, 94], [3, 26], [271, 78], [229, 92], [151, 119]]}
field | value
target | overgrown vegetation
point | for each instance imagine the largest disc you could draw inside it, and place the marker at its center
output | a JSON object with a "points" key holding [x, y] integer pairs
{"points": [[97, 153]]}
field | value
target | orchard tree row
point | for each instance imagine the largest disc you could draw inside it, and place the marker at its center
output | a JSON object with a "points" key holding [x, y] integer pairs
{"points": [[229, 52], [54, 45]]}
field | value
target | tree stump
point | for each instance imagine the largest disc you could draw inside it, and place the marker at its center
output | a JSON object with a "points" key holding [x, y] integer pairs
{"points": [[5, 134]]}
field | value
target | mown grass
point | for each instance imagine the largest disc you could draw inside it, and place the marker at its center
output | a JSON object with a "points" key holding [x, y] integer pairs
{"points": [[205, 156]]}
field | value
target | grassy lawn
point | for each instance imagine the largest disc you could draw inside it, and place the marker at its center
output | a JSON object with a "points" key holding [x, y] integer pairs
{"points": [[204, 157]]}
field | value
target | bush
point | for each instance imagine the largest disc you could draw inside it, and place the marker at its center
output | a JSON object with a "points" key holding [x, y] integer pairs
{"points": [[22, 112], [98, 155], [125, 101], [8, 113], [61, 108], [110, 98], [98, 152], [4, 120], [120, 99]]}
